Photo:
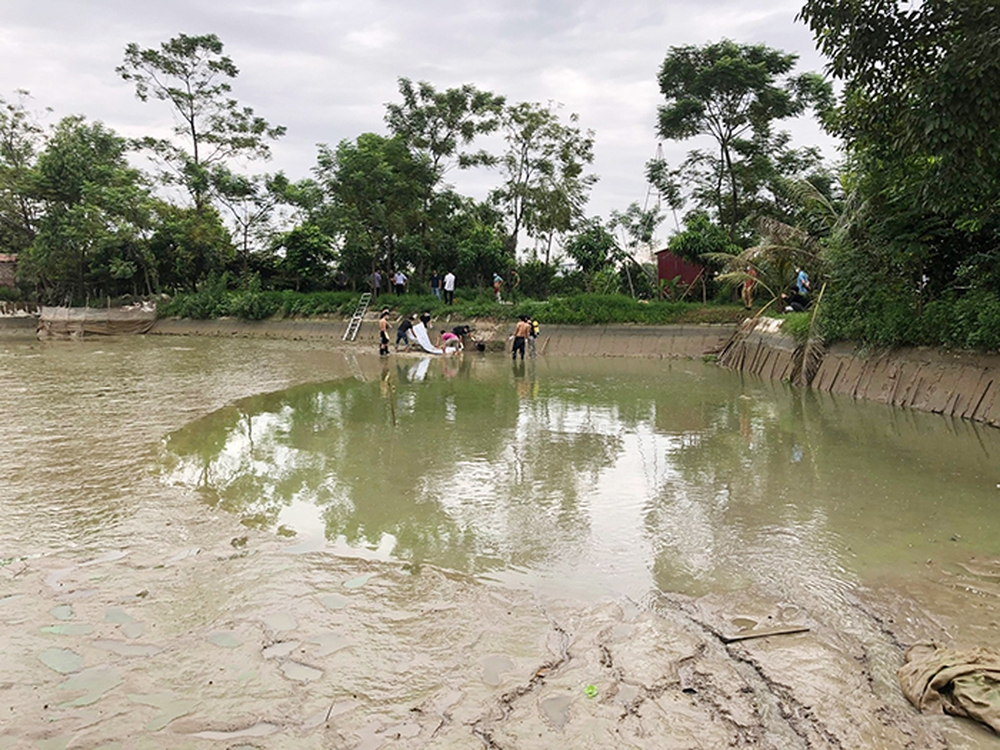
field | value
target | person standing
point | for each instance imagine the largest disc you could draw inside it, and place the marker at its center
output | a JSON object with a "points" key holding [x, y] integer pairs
{"points": [[521, 332], [400, 281], [801, 281], [533, 338], [435, 284], [497, 286], [383, 332], [748, 285], [449, 287], [377, 283], [403, 332]]}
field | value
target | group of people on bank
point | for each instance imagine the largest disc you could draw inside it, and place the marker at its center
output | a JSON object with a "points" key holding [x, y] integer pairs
{"points": [[442, 287]]}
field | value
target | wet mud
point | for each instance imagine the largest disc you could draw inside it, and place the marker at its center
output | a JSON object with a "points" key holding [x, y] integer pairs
{"points": [[161, 622]]}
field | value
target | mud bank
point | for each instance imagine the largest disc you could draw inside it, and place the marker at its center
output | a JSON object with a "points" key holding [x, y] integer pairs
{"points": [[18, 326], [590, 341], [956, 384]]}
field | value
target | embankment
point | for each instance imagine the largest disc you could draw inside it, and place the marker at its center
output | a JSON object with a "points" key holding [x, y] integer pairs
{"points": [[956, 384]]}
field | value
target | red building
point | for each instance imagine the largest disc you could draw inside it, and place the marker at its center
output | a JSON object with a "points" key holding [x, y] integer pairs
{"points": [[669, 267]]}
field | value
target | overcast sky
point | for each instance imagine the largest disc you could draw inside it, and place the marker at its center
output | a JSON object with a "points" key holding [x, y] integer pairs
{"points": [[326, 68]]}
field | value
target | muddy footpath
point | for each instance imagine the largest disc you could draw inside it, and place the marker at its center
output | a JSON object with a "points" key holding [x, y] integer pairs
{"points": [[152, 620]]}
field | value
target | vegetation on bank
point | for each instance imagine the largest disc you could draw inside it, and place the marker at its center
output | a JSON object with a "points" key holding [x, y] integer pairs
{"points": [[579, 309]]}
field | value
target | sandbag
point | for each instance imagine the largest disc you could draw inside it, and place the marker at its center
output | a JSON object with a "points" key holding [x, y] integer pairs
{"points": [[954, 681]]}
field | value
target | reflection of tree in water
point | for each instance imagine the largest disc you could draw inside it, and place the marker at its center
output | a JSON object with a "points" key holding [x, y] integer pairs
{"points": [[472, 477]]}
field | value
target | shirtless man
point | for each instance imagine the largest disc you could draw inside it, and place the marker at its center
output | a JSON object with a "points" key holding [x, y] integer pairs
{"points": [[521, 332], [383, 332]]}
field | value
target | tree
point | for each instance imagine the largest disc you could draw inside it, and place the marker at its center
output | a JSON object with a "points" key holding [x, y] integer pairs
{"points": [[920, 95], [21, 139], [637, 226], [91, 236], [591, 246], [544, 183], [189, 246], [251, 202], [193, 76], [437, 124], [732, 93], [375, 188], [307, 257]]}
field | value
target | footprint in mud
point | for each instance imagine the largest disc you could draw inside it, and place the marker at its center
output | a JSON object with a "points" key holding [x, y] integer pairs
{"points": [[494, 667], [556, 710], [129, 626], [170, 708], [61, 660], [334, 601], [358, 581], [293, 670], [263, 729], [224, 639], [328, 642], [62, 612], [93, 683], [279, 650], [280, 622], [68, 628]]}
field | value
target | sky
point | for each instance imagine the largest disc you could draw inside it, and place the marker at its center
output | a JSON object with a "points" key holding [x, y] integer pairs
{"points": [[325, 69]]}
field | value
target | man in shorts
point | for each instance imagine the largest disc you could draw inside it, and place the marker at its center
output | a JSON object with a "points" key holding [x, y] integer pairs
{"points": [[383, 332]]}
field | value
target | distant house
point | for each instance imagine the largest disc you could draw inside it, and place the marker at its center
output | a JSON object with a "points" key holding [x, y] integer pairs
{"points": [[670, 266], [8, 270]]}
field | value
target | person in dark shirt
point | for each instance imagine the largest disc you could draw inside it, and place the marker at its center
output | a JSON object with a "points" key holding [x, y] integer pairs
{"points": [[435, 284], [402, 333]]}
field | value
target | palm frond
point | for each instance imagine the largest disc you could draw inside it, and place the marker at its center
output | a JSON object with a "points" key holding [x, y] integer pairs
{"points": [[808, 356]]}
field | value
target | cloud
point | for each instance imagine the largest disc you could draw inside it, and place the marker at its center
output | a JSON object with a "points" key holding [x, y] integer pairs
{"points": [[326, 68]]}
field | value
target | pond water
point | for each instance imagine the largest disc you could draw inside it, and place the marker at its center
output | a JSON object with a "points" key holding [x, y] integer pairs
{"points": [[600, 478], [534, 501]]}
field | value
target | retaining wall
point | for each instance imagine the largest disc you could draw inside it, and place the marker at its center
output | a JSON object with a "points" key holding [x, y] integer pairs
{"points": [[957, 384]]}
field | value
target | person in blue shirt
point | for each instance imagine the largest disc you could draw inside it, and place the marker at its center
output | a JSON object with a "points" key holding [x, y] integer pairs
{"points": [[801, 281]]}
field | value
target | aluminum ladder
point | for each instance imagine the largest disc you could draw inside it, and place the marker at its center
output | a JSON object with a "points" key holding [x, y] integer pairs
{"points": [[359, 314]]}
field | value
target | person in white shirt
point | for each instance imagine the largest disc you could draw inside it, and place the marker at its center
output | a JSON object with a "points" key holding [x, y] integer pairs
{"points": [[400, 281], [449, 287]]}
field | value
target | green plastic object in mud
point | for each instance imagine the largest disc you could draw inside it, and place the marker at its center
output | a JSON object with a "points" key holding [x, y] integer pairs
{"points": [[590, 691]]}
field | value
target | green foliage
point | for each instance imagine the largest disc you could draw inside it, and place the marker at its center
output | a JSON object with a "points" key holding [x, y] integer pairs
{"points": [[21, 139], [536, 279], [920, 94], [437, 123], [193, 76], [702, 237], [592, 246], [96, 209], [375, 188], [733, 94], [188, 246], [545, 185], [481, 254]]}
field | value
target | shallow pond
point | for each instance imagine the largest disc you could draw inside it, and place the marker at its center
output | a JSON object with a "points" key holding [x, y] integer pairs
{"points": [[576, 484], [601, 477]]}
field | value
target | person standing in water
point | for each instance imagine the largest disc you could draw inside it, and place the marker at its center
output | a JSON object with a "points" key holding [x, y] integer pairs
{"points": [[521, 332], [383, 332]]}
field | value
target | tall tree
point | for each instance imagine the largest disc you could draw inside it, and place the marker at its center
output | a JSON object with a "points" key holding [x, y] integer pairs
{"points": [[734, 94], [21, 139], [545, 185], [91, 238], [920, 94], [375, 187], [193, 76], [439, 124]]}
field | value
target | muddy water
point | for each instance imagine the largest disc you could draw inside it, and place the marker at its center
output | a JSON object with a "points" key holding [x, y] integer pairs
{"points": [[607, 479], [439, 554]]}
